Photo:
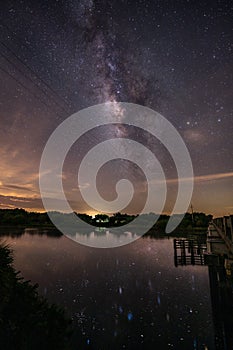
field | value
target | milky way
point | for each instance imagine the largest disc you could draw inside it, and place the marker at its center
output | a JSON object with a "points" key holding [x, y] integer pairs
{"points": [[61, 56]]}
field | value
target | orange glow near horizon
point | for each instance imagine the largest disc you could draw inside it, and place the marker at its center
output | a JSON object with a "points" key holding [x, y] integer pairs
{"points": [[211, 195]]}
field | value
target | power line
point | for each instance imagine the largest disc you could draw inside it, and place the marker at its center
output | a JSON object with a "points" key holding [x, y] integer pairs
{"points": [[27, 77], [26, 88], [38, 77], [19, 39], [34, 73]]}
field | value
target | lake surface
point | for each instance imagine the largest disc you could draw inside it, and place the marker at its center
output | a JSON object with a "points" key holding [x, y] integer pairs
{"points": [[130, 297]]}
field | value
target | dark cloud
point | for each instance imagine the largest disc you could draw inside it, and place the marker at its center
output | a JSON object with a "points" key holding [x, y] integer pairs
{"points": [[15, 187]]}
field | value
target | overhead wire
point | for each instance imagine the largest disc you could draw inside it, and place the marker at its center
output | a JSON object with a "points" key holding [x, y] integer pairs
{"points": [[39, 79], [26, 65], [30, 79]]}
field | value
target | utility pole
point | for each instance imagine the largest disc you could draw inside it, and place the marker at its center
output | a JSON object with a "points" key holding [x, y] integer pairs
{"points": [[192, 214]]}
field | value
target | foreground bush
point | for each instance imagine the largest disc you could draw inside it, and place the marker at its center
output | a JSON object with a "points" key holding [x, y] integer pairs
{"points": [[28, 321]]}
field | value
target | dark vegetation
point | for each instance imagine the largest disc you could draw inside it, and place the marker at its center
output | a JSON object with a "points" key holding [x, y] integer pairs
{"points": [[195, 223], [28, 321], [22, 217], [19, 217]]}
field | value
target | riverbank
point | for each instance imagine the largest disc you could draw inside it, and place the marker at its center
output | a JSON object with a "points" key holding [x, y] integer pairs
{"points": [[27, 320]]}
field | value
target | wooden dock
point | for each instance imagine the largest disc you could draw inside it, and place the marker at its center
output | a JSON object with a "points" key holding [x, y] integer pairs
{"points": [[223, 228], [189, 252]]}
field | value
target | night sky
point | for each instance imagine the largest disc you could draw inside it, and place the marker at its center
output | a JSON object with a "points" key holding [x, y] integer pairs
{"points": [[58, 57]]}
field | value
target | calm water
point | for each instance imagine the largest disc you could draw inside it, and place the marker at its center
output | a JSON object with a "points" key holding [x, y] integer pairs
{"points": [[131, 297]]}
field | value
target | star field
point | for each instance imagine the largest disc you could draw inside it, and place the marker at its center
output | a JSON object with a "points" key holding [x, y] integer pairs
{"points": [[58, 57]]}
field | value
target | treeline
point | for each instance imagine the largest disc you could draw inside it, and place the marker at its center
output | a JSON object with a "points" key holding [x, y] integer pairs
{"points": [[197, 220], [23, 217], [19, 217], [195, 223]]}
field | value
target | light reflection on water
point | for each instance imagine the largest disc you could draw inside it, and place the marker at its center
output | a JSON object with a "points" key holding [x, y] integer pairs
{"points": [[104, 238], [130, 297]]}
